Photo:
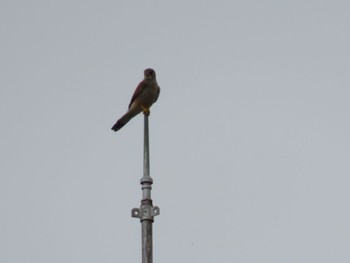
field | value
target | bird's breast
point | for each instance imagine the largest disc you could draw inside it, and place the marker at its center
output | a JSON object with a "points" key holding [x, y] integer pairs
{"points": [[149, 94]]}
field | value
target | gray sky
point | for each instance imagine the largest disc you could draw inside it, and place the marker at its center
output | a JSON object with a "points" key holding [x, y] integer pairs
{"points": [[249, 139]]}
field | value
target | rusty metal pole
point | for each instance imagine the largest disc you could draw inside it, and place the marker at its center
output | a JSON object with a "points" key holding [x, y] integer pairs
{"points": [[147, 211]]}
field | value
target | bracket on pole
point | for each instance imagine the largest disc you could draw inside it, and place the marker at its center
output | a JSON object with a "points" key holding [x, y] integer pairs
{"points": [[145, 212]]}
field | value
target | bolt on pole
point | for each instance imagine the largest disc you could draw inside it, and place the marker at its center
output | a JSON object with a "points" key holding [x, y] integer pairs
{"points": [[147, 211]]}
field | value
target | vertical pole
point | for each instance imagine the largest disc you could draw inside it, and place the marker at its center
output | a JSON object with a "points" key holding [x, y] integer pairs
{"points": [[147, 211]]}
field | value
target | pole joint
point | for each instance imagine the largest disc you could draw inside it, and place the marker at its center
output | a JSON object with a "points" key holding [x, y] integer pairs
{"points": [[146, 212]]}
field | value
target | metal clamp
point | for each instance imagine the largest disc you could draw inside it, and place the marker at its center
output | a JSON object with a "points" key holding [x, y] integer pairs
{"points": [[146, 212]]}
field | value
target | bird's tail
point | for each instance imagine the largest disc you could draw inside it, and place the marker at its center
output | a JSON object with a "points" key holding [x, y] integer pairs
{"points": [[124, 120]]}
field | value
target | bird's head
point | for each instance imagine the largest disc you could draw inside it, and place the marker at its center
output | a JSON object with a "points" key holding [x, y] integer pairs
{"points": [[150, 73]]}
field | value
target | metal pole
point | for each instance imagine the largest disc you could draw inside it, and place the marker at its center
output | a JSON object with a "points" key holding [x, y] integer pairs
{"points": [[147, 211]]}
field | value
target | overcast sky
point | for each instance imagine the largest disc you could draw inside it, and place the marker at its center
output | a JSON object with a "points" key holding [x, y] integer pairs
{"points": [[250, 137]]}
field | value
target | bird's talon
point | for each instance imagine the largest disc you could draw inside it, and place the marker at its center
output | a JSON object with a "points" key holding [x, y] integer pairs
{"points": [[145, 110]]}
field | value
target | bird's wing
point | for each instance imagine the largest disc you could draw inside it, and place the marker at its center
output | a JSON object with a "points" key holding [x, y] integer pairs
{"points": [[157, 95], [137, 91]]}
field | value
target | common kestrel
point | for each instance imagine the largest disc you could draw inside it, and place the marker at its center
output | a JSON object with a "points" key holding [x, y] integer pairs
{"points": [[146, 93]]}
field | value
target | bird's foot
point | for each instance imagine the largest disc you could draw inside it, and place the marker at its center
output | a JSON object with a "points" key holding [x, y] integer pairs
{"points": [[145, 110]]}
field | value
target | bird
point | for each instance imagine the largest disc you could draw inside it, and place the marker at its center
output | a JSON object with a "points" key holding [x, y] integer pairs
{"points": [[145, 94]]}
